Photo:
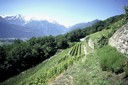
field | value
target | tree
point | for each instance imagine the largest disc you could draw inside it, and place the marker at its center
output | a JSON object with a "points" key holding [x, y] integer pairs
{"points": [[17, 41], [62, 44], [126, 12], [2, 54]]}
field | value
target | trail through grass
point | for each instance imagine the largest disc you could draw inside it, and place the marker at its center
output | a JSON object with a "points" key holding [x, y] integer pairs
{"points": [[86, 73]]}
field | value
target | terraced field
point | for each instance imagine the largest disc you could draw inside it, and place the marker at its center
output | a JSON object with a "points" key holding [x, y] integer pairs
{"points": [[42, 73], [69, 66]]}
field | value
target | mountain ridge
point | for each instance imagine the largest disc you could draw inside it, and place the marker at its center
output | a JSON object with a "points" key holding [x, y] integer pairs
{"points": [[19, 27], [83, 24]]}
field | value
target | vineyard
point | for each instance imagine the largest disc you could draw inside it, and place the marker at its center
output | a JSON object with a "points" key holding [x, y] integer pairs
{"points": [[50, 68]]}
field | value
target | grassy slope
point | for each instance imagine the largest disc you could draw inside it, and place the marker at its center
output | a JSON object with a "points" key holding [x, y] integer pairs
{"points": [[49, 69], [89, 72], [27, 74], [83, 72], [86, 71], [107, 32]]}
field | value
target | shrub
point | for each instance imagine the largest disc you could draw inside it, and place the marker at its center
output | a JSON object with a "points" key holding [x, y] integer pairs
{"points": [[126, 68], [102, 41], [111, 60]]}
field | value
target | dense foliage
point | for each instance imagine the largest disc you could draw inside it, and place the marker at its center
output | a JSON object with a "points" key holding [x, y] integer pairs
{"points": [[126, 13], [80, 33], [20, 55], [111, 59], [41, 74]]}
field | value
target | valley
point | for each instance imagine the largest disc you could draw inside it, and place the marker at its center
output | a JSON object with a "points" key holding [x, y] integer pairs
{"points": [[18, 27], [64, 42], [88, 62]]}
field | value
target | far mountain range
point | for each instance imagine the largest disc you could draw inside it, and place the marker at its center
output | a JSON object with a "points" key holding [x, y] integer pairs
{"points": [[18, 27]]}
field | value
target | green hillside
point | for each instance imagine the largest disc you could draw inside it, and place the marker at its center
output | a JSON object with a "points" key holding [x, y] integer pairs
{"points": [[49, 68], [87, 71], [75, 62], [72, 66], [101, 66]]}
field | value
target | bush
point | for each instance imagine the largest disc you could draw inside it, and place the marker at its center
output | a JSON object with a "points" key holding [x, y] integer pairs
{"points": [[126, 13], [102, 41], [111, 60], [126, 68]]}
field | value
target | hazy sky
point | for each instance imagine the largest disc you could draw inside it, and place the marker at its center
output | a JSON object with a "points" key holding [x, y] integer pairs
{"points": [[67, 12]]}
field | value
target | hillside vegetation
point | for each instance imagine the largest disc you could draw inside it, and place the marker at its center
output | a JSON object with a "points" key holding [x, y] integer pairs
{"points": [[72, 58], [87, 71], [48, 69], [102, 66], [21, 56]]}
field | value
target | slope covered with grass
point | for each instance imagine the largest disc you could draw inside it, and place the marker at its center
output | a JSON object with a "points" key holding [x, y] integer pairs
{"points": [[87, 71], [52, 67], [91, 71], [73, 66], [102, 37]]}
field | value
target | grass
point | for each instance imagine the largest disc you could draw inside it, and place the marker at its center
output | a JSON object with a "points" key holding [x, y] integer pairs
{"points": [[42, 73], [106, 33], [86, 71], [22, 77], [72, 67], [111, 59], [91, 71]]}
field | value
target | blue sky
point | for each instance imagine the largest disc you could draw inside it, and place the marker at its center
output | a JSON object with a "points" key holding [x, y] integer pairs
{"points": [[67, 12]]}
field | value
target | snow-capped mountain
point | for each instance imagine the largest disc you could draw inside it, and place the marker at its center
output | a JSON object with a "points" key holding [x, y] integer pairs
{"points": [[13, 25], [46, 27], [21, 27], [16, 20], [8, 30]]}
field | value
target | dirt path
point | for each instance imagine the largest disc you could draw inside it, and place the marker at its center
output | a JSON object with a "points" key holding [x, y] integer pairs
{"points": [[66, 79], [52, 81], [85, 52], [62, 79]]}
